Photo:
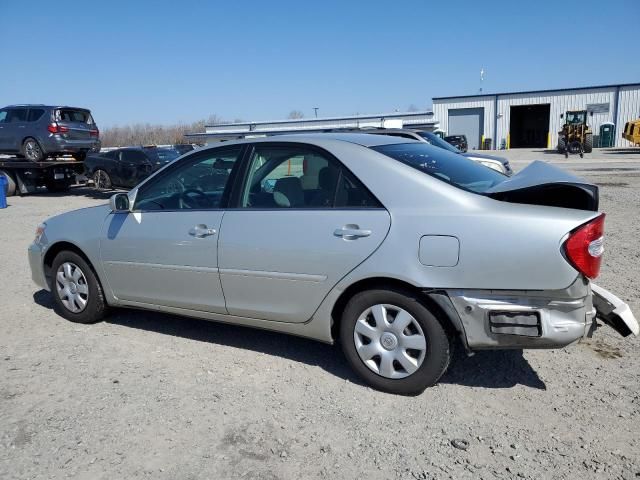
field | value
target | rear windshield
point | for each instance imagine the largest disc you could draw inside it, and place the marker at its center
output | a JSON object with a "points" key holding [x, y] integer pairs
{"points": [[449, 167], [74, 115]]}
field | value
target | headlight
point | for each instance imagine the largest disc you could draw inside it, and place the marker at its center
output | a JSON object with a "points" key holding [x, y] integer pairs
{"points": [[497, 166], [39, 232]]}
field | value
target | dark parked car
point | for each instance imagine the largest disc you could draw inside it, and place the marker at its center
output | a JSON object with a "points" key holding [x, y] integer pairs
{"points": [[183, 148], [458, 141], [126, 167], [40, 131]]}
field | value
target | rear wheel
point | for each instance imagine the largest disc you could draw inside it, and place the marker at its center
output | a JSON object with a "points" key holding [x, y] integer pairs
{"points": [[588, 143], [394, 342], [77, 292], [11, 183], [32, 151], [101, 180]]}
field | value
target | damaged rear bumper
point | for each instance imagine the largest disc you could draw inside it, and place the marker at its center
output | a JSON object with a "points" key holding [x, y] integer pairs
{"points": [[491, 319]]}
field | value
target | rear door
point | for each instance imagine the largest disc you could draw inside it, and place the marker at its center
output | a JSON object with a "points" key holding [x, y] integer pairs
{"points": [[78, 121], [301, 223], [15, 128]]}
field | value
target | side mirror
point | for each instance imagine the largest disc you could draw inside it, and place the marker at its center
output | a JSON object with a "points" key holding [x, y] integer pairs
{"points": [[119, 202], [562, 115]]}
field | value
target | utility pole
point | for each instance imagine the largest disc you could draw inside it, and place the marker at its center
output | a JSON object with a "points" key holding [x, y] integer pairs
{"points": [[315, 109]]}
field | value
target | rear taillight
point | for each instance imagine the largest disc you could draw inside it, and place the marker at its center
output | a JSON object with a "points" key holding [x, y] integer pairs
{"points": [[94, 132], [55, 128], [585, 246]]}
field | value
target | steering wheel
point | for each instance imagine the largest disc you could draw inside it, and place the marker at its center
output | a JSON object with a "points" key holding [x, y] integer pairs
{"points": [[191, 202]]}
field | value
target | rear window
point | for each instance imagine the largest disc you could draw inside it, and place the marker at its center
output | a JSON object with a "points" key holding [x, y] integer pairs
{"points": [[74, 115], [162, 154], [449, 167]]}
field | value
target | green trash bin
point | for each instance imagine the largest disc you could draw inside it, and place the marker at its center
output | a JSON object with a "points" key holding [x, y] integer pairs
{"points": [[607, 135]]}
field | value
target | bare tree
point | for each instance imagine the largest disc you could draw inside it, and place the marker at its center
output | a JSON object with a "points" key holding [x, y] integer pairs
{"points": [[148, 134], [412, 108], [295, 114]]}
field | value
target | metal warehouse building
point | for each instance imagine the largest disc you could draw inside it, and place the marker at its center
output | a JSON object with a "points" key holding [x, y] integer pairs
{"points": [[532, 119]]}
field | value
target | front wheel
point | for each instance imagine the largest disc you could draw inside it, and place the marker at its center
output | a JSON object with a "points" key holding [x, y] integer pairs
{"points": [[394, 342], [77, 292], [588, 143]]}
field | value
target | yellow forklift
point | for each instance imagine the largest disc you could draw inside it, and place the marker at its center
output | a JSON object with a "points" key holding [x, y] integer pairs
{"points": [[632, 132], [575, 137]]}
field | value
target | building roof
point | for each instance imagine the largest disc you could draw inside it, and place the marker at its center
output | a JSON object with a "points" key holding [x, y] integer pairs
{"points": [[325, 119], [551, 90]]}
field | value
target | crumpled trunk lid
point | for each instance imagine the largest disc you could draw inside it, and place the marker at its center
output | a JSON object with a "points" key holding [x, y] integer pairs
{"points": [[540, 183]]}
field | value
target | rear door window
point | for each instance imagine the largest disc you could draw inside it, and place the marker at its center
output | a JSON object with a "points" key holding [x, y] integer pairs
{"points": [[449, 167], [35, 114]]}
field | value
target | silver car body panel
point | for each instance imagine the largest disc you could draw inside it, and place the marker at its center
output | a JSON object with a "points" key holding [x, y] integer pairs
{"points": [[285, 270]]}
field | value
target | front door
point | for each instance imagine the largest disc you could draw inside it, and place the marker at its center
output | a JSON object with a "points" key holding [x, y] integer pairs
{"points": [[302, 223], [4, 131], [14, 129], [164, 252]]}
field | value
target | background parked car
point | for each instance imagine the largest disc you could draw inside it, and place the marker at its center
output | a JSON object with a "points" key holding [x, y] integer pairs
{"points": [[126, 167], [40, 131], [458, 141]]}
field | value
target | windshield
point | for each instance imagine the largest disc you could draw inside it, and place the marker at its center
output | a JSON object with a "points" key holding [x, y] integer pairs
{"points": [[452, 168], [576, 118], [163, 154], [435, 140]]}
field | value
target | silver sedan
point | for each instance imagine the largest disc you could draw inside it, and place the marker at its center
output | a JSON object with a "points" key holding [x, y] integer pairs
{"points": [[395, 248]]}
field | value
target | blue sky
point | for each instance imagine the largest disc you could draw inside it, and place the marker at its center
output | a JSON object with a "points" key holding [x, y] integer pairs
{"points": [[169, 61]]}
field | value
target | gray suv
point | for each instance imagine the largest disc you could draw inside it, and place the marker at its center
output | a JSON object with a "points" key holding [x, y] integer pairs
{"points": [[40, 131]]}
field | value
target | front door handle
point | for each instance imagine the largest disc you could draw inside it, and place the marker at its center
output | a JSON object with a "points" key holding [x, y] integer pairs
{"points": [[351, 232], [201, 231]]}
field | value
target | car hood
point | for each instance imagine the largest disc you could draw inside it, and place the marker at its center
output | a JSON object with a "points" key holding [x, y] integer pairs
{"points": [[502, 160], [540, 183]]}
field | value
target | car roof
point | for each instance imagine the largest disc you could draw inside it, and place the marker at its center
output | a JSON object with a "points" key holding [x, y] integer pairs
{"points": [[363, 139], [40, 105]]}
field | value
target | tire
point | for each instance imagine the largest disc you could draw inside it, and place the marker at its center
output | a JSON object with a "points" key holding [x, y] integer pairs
{"points": [[32, 150], [69, 289], [427, 362], [101, 180], [80, 156], [562, 145], [588, 143], [11, 184]]}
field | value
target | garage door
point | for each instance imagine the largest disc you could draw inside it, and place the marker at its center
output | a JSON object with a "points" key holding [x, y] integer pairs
{"points": [[469, 122]]}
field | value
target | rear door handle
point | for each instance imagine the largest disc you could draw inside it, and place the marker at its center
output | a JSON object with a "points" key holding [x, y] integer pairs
{"points": [[201, 231], [351, 232]]}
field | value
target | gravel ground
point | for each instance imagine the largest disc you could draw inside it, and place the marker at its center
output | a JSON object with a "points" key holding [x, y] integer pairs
{"points": [[147, 395]]}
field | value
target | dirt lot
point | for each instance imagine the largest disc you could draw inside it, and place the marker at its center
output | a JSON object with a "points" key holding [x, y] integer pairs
{"points": [[146, 395]]}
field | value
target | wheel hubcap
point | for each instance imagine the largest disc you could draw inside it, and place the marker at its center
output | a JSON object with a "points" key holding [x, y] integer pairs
{"points": [[389, 341], [72, 288], [32, 150]]}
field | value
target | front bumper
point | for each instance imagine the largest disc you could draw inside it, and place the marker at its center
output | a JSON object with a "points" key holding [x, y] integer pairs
{"points": [[36, 262]]}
